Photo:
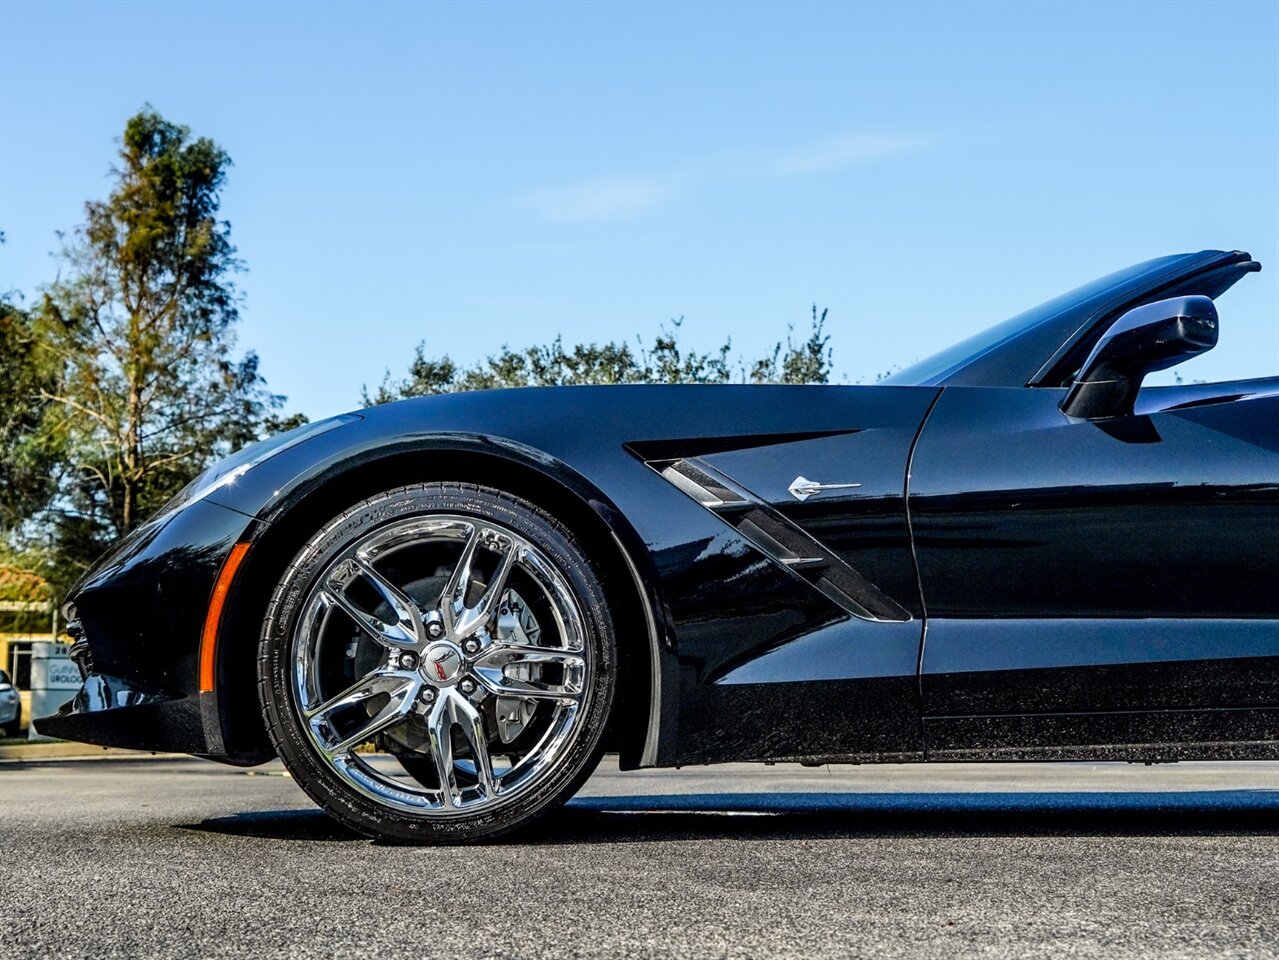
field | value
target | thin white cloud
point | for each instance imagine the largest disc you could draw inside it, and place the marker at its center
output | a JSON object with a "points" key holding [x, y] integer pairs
{"points": [[836, 153], [615, 198], [602, 198]]}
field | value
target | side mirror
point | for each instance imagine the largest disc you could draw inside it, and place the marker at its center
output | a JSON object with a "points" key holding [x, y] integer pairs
{"points": [[1154, 336]]}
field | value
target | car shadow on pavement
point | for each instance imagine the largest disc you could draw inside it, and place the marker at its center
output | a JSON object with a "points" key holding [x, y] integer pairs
{"points": [[308, 824], [771, 816], [833, 815]]}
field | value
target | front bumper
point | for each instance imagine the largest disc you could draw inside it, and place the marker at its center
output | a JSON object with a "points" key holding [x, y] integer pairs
{"points": [[141, 611], [109, 712]]}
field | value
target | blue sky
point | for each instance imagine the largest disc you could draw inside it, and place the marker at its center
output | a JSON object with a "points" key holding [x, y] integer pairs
{"points": [[477, 175]]}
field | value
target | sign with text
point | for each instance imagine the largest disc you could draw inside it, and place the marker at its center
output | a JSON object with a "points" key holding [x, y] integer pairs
{"points": [[54, 680]]}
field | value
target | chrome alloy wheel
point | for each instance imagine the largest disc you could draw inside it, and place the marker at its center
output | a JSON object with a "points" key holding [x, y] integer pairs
{"points": [[451, 642]]}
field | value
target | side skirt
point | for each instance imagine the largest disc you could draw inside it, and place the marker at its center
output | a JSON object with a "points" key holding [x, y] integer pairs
{"points": [[1140, 736]]}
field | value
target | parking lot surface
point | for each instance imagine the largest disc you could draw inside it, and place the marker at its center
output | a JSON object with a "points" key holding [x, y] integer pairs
{"points": [[176, 857]]}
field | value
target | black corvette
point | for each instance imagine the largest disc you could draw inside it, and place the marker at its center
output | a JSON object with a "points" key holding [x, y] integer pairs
{"points": [[440, 612]]}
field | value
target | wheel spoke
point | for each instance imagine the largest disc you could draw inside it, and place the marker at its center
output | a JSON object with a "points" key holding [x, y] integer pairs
{"points": [[471, 724], [405, 631], [453, 599], [499, 669], [493, 590], [440, 734], [462, 620], [452, 709], [400, 688]]}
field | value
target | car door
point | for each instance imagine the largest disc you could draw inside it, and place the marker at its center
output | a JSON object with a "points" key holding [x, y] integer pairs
{"points": [[1090, 582]]}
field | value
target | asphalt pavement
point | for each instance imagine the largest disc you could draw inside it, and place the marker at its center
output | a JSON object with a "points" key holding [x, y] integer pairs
{"points": [[176, 857]]}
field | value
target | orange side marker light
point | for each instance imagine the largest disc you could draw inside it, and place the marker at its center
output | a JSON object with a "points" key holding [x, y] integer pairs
{"points": [[213, 619]]}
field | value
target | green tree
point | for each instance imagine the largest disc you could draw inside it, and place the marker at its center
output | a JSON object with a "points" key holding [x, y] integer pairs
{"points": [[28, 447], [553, 364], [808, 361], [139, 331]]}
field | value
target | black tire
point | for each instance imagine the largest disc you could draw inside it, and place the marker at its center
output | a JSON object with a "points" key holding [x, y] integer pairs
{"points": [[305, 761]]}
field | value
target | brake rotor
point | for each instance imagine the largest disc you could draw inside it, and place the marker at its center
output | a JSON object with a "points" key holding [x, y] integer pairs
{"points": [[516, 624]]}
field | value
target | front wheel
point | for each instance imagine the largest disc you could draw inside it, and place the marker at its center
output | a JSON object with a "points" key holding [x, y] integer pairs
{"points": [[437, 664]]}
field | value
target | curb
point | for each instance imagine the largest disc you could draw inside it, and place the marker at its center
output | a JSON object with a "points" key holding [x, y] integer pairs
{"points": [[61, 750]]}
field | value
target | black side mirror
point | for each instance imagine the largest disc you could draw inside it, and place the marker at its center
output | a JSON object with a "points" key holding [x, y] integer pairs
{"points": [[1154, 336]]}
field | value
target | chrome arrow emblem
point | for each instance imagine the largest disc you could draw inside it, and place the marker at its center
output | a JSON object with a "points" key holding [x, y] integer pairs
{"points": [[802, 488]]}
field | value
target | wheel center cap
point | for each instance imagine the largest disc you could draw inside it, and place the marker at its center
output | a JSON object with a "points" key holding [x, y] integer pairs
{"points": [[441, 663]]}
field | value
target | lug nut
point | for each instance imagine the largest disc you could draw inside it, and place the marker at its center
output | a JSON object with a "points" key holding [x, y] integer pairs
{"points": [[435, 629], [427, 695], [408, 661], [471, 646], [468, 686]]}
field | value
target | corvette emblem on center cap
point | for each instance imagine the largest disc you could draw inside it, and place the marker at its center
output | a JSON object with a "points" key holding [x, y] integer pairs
{"points": [[442, 662]]}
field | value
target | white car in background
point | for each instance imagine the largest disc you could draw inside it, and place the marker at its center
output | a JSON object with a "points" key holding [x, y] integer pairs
{"points": [[10, 705]]}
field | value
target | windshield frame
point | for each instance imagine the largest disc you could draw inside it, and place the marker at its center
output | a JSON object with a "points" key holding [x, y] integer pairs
{"points": [[1031, 348]]}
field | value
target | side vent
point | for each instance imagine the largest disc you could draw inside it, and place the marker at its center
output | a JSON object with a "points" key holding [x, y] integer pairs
{"points": [[781, 540]]}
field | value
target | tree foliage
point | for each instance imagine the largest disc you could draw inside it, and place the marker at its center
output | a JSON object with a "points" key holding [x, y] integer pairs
{"points": [[137, 336], [808, 361], [28, 449], [666, 361]]}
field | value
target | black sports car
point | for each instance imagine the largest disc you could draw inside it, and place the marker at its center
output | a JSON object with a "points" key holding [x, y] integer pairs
{"points": [[440, 612]]}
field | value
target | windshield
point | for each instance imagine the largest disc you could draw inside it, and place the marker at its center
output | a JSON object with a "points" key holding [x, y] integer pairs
{"points": [[939, 366]]}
